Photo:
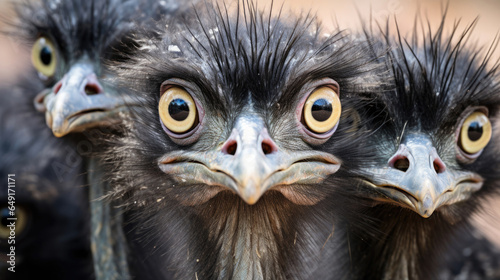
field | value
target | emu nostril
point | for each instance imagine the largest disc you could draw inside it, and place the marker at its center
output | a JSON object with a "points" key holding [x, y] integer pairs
{"points": [[402, 164], [92, 89], [57, 87], [230, 148], [438, 166], [266, 148]]}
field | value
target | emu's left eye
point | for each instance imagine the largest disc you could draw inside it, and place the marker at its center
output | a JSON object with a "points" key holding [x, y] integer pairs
{"points": [[475, 133], [322, 110], [43, 57], [178, 110], [12, 224]]}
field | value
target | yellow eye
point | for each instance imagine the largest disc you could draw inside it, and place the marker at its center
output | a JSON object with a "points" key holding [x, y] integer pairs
{"points": [[475, 133], [177, 110], [322, 110], [43, 57], [12, 223]]}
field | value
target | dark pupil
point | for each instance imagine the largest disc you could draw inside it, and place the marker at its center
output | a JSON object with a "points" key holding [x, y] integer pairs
{"points": [[178, 109], [46, 56], [4, 214], [475, 131], [321, 110]]}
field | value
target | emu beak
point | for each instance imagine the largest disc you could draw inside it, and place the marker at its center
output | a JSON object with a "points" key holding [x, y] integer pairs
{"points": [[250, 163], [78, 102], [417, 178]]}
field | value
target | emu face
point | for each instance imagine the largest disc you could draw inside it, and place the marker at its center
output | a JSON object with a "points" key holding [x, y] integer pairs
{"points": [[436, 132], [70, 40]]}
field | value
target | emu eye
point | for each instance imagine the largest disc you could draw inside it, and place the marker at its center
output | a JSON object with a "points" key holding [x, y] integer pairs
{"points": [[475, 133], [43, 57], [322, 110], [12, 225], [352, 119], [178, 110]]}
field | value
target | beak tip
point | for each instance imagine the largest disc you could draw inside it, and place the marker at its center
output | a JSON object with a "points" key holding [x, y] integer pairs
{"points": [[424, 210], [58, 125], [58, 133], [250, 193], [251, 200], [427, 206], [58, 130], [425, 214]]}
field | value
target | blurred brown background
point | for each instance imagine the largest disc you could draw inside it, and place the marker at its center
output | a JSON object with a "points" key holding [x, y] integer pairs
{"points": [[14, 57]]}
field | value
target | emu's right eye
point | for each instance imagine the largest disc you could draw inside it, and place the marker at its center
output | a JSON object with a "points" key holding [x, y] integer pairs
{"points": [[43, 57], [322, 110], [178, 110]]}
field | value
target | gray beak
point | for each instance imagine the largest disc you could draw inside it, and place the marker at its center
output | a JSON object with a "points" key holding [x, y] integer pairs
{"points": [[250, 163], [79, 101], [417, 178]]}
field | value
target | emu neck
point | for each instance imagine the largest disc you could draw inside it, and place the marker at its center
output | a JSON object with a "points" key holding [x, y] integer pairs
{"points": [[246, 237], [402, 245], [225, 238], [254, 241]]}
